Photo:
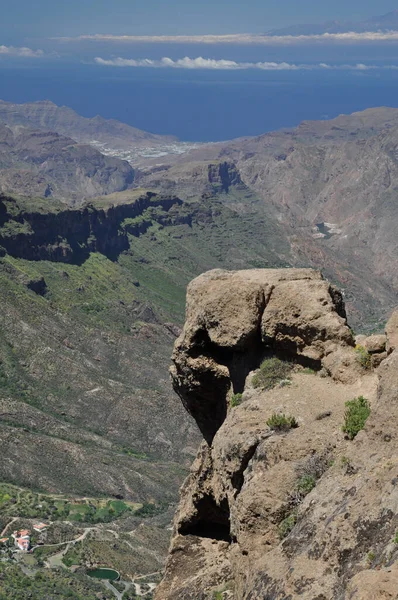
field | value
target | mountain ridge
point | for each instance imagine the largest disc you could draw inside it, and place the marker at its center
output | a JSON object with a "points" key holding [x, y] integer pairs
{"points": [[48, 164], [383, 23], [46, 115]]}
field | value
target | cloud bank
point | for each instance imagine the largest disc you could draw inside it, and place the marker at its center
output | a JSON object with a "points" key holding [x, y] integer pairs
{"points": [[229, 65], [21, 52], [243, 38]]}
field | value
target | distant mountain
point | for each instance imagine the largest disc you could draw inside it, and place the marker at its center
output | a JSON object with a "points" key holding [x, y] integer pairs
{"points": [[387, 22], [44, 163], [333, 186], [48, 116]]}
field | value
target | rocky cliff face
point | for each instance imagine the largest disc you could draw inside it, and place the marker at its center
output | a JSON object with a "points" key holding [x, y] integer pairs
{"points": [[71, 235], [299, 512], [192, 179]]}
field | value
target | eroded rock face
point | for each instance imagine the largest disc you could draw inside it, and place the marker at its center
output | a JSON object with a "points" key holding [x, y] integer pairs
{"points": [[243, 529], [392, 332], [234, 318]]}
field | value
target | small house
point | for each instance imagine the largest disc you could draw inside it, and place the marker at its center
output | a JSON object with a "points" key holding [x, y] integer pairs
{"points": [[22, 539]]}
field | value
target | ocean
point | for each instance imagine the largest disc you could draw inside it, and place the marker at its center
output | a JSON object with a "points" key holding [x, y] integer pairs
{"points": [[201, 105]]}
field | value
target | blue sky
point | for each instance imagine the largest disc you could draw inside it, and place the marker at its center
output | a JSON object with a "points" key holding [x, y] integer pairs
{"points": [[24, 21]]}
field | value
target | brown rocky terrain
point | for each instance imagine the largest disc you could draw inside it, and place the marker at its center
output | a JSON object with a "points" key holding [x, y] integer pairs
{"points": [[301, 512], [46, 164]]}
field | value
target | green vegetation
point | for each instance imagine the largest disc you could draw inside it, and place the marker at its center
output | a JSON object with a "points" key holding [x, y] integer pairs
{"points": [[27, 504], [47, 584], [13, 228], [308, 371], [271, 372], [148, 509], [363, 357], [286, 526], [371, 556], [41, 553], [356, 414], [281, 422], [306, 484], [395, 540], [236, 399]]}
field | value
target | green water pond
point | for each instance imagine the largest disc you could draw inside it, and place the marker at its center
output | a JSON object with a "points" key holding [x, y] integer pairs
{"points": [[103, 573]]}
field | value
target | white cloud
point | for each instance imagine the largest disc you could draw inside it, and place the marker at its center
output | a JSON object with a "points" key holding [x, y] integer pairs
{"points": [[243, 38], [21, 52], [228, 65]]}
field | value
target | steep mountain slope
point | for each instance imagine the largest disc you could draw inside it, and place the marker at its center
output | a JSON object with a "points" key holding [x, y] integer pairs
{"points": [[91, 302], [48, 116], [280, 504], [46, 164], [333, 186]]}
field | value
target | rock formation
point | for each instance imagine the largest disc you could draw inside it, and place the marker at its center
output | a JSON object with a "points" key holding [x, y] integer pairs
{"points": [[304, 512]]}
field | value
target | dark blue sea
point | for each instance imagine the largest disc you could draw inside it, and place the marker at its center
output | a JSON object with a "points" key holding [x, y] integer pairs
{"points": [[201, 105]]}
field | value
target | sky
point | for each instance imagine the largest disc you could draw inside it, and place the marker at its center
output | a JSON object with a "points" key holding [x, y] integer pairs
{"points": [[24, 22]]}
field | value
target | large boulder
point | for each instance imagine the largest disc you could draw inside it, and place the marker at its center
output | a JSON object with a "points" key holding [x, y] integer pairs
{"points": [[233, 318]]}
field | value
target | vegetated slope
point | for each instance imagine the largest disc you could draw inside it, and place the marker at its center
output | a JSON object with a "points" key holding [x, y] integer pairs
{"points": [[333, 185], [90, 302], [48, 116], [294, 489], [47, 164]]}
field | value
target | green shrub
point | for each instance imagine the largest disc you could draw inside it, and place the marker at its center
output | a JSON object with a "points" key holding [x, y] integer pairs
{"points": [[395, 540], [371, 556], [358, 410], [363, 357], [286, 526], [236, 400], [148, 509], [271, 372], [306, 484], [281, 422], [308, 371]]}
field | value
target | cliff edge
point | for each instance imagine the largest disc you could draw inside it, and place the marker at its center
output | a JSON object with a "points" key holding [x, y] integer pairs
{"points": [[294, 492]]}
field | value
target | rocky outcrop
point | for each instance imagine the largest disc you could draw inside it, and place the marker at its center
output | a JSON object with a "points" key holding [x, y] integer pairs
{"points": [[233, 319], [392, 332], [192, 179], [305, 512]]}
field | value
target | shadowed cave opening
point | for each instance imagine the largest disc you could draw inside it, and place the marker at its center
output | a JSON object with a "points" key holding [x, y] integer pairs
{"points": [[208, 404], [239, 361], [211, 520]]}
